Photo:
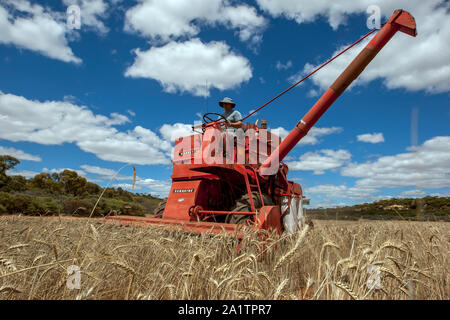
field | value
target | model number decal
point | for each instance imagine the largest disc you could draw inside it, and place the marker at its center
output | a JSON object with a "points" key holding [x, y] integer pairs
{"points": [[187, 152], [182, 190]]}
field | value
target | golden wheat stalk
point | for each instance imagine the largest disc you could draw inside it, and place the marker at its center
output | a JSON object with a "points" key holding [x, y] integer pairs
{"points": [[291, 252], [280, 288], [9, 289], [347, 290]]}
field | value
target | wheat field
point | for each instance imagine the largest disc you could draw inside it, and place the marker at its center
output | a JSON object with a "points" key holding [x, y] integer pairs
{"points": [[332, 260]]}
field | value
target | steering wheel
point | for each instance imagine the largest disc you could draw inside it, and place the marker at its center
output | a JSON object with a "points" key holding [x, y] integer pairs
{"points": [[207, 119]]}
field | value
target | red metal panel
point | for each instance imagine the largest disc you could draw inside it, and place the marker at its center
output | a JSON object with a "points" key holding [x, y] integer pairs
{"points": [[182, 196], [405, 21], [187, 171], [269, 219]]}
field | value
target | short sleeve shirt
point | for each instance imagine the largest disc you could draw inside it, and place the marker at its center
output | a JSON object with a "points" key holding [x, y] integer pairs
{"points": [[232, 116]]}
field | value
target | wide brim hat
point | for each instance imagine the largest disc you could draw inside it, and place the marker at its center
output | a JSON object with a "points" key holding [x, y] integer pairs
{"points": [[227, 100]]}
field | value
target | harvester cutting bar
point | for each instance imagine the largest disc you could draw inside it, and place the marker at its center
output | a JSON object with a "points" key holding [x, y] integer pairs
{"points": [[191, 226], [226, 212]]}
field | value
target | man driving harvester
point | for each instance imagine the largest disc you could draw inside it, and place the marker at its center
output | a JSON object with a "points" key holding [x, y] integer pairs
{"points": [[233, 117]]}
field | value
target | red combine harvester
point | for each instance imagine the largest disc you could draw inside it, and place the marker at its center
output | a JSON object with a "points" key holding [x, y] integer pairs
{"points": [[223, 181]]}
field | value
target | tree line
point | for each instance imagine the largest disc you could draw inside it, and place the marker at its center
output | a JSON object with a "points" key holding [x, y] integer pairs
{"points": [[426, 208], [64, 192]]}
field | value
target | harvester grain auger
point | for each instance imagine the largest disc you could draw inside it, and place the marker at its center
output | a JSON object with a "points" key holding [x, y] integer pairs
{"points": [[226, 181]]}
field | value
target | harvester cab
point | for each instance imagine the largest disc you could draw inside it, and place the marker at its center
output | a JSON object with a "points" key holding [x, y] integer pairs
{"points": [[232, 180]]}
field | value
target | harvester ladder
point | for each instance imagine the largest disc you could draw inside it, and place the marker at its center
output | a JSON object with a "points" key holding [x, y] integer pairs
{"points": [[255, 187]]}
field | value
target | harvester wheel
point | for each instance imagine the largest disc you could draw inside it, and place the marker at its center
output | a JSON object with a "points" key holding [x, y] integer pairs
{"points": [[160, 208], [243, 205]]}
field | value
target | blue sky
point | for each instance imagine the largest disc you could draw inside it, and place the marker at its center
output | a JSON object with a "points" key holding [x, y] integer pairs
{"points": [[134, 77]]}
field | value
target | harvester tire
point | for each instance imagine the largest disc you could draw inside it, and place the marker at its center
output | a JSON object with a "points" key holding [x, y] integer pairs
{"points": [[243, 205], [160, 208]]}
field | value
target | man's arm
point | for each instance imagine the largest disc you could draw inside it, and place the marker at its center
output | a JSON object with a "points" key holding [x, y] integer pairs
{"points": [[236, 121], [237, 124]]}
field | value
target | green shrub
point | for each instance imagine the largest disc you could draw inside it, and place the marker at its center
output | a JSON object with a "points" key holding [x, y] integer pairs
{"points": [[44, 205], [19, 203], [14, 184], [25, 204], [78, 206], [134, 209]]}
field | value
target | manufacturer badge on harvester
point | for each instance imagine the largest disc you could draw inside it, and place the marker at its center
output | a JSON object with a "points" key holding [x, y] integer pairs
{"points": [[187, 152], [182, 190]]}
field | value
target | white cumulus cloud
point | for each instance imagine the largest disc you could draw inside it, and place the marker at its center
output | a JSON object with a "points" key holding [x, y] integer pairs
{"points": [[105, 173], [413, 193], [343, 192], [24, 173], [171, 132], [186, 66], [424, 167], [157, 187], [98, 170], [419, 63], [19, 154], [38, 28], [81, 173], [170, 19], [321, 160], [92, 13], [371, 137], [283, 66], [58, 122], [313, 135], [35, 28]]}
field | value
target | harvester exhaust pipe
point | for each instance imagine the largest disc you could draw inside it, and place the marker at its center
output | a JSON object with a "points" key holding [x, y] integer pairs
{"points": [[400, 21]]}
